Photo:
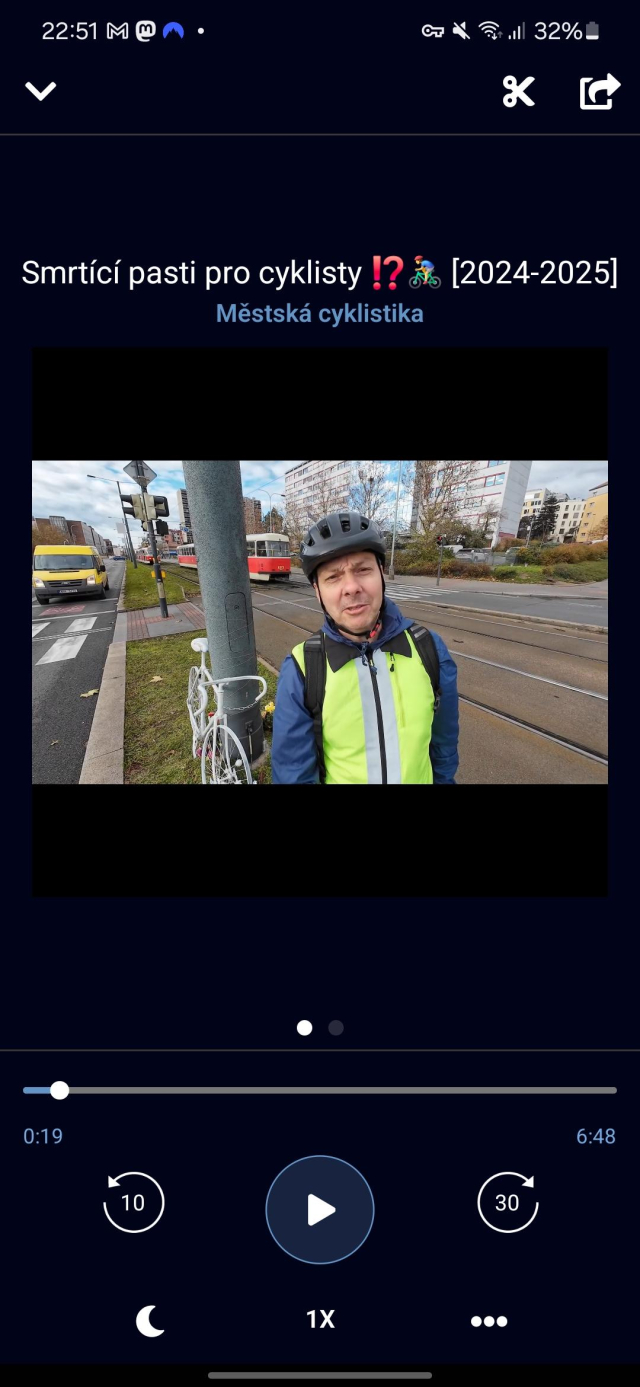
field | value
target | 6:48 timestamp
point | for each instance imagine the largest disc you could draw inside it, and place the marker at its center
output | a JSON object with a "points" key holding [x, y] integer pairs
{"points": [[599, 272], [603, 1136]]}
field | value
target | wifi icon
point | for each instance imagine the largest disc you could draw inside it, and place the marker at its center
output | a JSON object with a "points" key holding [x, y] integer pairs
{"points": [[492, 30]]}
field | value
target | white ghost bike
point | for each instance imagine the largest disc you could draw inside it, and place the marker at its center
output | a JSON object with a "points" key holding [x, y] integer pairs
{"points": [[222, 757]]}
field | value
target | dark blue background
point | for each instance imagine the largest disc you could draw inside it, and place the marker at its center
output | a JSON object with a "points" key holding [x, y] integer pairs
{"points": [[225, 1291]]}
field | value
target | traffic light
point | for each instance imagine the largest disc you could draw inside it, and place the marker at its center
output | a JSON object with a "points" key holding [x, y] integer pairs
{"points": [[134, 506], [162, 527], [155, 506]]}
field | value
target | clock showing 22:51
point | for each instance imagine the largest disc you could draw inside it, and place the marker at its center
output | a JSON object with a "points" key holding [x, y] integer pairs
{"points": [[46, 1136], [604, 1136], [79, 30]]}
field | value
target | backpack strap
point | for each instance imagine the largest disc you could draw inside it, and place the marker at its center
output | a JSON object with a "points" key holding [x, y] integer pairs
{"points": [[315, 679], [426, 648]]}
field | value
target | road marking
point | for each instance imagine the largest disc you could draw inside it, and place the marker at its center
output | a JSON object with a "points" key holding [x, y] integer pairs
{"points": [[38, 626], [63, 649], [82, 623], [52, 636], [540, 677], [65, 616]]}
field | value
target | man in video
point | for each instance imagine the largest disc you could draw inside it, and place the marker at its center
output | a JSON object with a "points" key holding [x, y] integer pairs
{"points": [[370, 699]]}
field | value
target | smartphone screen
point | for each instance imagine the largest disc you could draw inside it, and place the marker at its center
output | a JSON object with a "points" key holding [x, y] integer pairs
{"points": [[347, 1089]]}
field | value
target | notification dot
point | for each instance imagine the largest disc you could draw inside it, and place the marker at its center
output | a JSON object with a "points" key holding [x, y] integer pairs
{"points": [[304, 1028], [59, 1090], [201, 31]]}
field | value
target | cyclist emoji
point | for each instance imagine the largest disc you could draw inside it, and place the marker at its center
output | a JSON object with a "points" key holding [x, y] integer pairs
{"points": [[424, 274]]}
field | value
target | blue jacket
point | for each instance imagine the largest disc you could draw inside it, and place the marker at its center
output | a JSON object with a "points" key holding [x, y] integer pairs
{"points": [[293, 753]]}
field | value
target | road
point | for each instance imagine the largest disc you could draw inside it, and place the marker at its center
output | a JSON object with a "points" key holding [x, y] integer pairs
{"points": [[533, 699], [69, 644], [580, 602]]}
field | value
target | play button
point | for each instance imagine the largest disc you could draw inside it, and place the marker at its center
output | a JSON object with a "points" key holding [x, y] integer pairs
{"points": [[317, 1209], [320, 1227]]}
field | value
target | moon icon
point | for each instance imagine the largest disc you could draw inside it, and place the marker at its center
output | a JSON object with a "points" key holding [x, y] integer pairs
{"points": [[142, 1322]]}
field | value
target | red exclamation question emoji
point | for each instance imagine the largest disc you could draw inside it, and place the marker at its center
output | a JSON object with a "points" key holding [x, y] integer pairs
{"points": [[376, 271]]}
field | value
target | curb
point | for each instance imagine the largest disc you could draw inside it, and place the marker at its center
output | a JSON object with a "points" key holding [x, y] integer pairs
{"points": [[104, 756], [518, 616], [266, 664]]}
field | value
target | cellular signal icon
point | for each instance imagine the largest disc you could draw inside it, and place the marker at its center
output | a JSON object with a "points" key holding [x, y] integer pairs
{"points": [[517, 33], [491, 29]]}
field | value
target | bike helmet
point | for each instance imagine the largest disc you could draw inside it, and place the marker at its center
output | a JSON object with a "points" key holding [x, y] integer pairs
{"points": [[343, 532]]}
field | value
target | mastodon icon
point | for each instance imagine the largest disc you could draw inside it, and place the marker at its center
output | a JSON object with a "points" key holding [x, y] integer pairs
{"points": [[173, 28]]}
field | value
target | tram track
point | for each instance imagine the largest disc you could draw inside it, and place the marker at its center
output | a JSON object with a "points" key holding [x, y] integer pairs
{"points": [[450, 623], [568, 743]]}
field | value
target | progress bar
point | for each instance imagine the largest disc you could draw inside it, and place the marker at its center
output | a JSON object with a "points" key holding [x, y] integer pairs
{"points": [[73, 1090], [317, 1377]]}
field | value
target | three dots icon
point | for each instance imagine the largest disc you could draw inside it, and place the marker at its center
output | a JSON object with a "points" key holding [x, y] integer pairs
{"points": [[488, 1321]]}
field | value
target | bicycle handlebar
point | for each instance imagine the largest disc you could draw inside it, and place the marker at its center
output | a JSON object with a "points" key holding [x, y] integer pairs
{"points": [[219, 685]]}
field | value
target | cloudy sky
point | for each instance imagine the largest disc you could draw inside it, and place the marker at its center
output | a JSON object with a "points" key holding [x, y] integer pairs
{"points": [[63, 488]]}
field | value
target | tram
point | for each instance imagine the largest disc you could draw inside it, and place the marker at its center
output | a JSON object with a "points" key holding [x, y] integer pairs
{"points": [[267, 555], [144, 556]]}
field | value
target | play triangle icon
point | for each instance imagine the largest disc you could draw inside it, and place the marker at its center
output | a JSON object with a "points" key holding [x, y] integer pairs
{"points": [[317, 1209]]}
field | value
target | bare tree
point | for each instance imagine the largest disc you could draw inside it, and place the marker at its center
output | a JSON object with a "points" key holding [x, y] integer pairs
{"points": [[296, 524], [326, 498], [438, 489], [489, 520], [601, 530], [370, 494]]}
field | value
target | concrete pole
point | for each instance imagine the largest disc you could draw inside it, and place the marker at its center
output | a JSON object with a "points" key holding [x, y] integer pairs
{"points": [[395, 522], [214, 489]]}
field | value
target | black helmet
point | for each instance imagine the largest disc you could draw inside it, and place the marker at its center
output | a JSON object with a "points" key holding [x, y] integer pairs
{"points": [[340, 533]]}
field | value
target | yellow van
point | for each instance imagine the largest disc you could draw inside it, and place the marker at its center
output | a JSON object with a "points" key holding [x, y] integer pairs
{"points": [[68, 570]]}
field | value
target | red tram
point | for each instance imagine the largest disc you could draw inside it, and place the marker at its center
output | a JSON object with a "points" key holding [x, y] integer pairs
{"points": [[144, 556], [267, 555]]}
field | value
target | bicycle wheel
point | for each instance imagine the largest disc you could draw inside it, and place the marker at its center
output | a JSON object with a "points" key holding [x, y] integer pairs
{"points": [[416, 281], [229, 765], [434, 281]]}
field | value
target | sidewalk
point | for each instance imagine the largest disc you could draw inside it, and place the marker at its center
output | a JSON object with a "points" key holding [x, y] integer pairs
{"points": [[144, 623]]}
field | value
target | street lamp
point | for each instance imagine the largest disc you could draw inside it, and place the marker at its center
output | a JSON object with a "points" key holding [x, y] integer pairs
{"points": [[281, 493], [111, 480], [395, 522], [269, 494]]}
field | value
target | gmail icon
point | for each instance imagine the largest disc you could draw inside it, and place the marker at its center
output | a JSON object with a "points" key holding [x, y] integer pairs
{"points": [[117, 31]]}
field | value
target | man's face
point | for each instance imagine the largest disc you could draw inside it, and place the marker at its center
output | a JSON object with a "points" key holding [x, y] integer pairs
{"points": [[351, 589]]}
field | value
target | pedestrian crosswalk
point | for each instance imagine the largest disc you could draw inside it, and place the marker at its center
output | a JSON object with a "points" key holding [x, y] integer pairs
{"points": [[67, 635]]}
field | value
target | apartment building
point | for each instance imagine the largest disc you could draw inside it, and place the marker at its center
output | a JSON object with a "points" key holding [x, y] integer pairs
{"points": [[596, 507], [183, 509], [252, 515], [308, 483], [568, 517], [496, 484]]}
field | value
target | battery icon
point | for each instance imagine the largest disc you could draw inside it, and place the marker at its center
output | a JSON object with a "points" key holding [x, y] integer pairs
{"points": [[592, 31]]}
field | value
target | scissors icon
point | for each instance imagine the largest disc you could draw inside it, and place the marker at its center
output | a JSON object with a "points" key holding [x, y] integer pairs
{"points": [[518, 91]]}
